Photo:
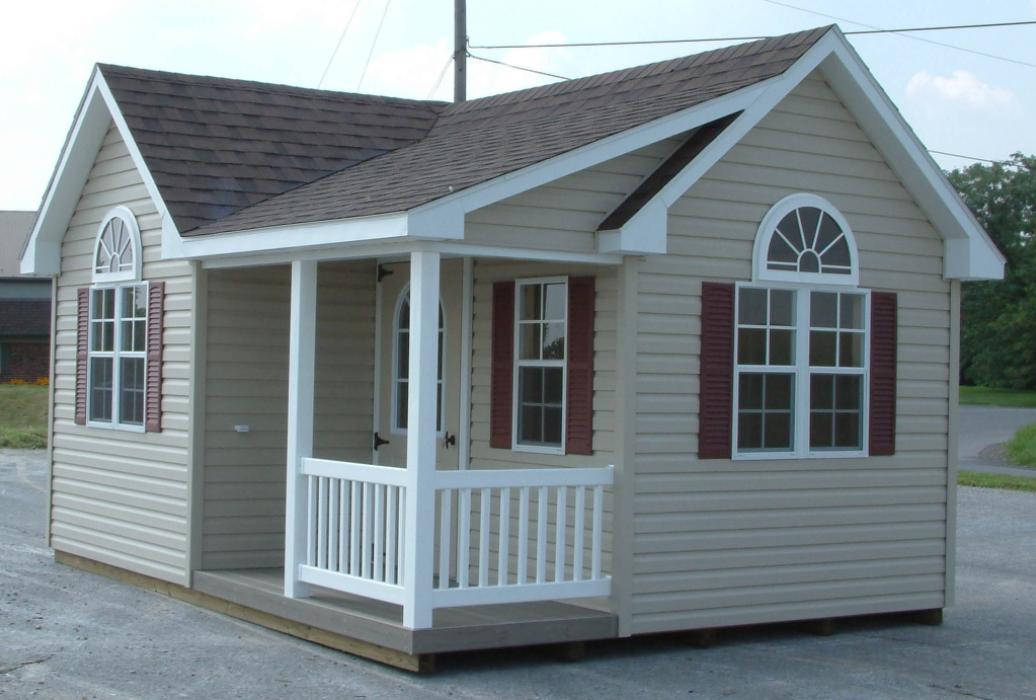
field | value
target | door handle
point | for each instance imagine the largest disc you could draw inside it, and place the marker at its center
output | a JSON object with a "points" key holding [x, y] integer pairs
{"points": [[448, 440], [379, 441]]}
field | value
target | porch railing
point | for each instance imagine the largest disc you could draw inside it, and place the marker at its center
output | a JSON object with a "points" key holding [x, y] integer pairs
{"points": [[502, 536]]}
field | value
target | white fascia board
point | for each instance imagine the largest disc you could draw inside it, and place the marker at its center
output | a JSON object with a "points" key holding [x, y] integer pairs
{"points": [[298, 237], [98, 109], [969, 253], [645, 232], [453, 207]]}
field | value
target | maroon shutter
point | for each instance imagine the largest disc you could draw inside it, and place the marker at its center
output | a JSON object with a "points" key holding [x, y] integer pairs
{"points": [[882, 427], [153, 395], [501, 381], [82, 351], [717, 370], [579, 429]]}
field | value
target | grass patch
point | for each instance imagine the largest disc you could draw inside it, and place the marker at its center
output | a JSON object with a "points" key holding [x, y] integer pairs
{"points": [[996, 481], [1022, 447], [23, 416], [984, 396]]}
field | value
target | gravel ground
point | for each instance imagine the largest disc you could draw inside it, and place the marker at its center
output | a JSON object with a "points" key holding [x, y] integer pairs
{"points": [[69, 634]]}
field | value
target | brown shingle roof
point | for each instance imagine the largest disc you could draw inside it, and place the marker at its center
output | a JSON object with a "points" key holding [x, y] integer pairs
{"points": [[230, 155]]}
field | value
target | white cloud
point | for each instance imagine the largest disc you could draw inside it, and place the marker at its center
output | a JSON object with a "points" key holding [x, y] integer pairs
{"points": [[961, 87]]}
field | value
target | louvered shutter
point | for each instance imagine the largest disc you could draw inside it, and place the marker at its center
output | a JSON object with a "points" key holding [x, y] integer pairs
{"points": [[82, 352], [153, 395], [580, 396], [716, 397], [501, 381], [883, 340]]}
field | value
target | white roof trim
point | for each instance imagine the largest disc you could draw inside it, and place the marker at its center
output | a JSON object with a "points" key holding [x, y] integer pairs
{"points": [[98, 109]]}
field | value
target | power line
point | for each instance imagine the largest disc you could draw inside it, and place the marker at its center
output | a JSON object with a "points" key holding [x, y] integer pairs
{"points": [[915, 38], [868, 32], [345, 29], [511, 65], [366, 65], [442, 74], [958, 155]]}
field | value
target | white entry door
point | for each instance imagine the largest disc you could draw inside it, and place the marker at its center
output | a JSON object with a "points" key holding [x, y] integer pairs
{"points": [[393, 364]]}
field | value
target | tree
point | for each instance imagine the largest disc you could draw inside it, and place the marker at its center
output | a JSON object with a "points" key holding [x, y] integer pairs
{"points": [[998, 319]]}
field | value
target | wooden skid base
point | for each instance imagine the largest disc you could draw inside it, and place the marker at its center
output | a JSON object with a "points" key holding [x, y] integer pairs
{"points": [[417, 663]]}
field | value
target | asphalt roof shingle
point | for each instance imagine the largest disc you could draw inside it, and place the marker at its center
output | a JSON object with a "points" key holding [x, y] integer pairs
{"points": [[231, 155]]}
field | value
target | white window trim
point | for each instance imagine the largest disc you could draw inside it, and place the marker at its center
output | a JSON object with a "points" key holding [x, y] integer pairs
{"points": [[801, 371], [778, 211], [115, 354], [518, 362], [394, 399], [130, 222]]}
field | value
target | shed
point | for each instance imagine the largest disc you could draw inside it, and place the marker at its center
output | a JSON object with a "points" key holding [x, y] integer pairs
{"points": [[669, 348]]}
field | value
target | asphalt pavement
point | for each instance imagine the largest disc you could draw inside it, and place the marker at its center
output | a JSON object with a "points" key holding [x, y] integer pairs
{"points": [[983, 432], [68, 634]]}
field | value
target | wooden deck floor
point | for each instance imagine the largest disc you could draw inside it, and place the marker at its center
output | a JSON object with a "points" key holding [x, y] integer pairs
{"points": [[374, 622]]}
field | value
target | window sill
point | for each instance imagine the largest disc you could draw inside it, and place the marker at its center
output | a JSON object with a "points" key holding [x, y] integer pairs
{"points": [[116, 426], [537, 449], [832, 454]]}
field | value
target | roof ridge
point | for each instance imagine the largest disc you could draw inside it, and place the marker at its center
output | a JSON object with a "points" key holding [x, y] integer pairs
{"points": [[257, 85]]}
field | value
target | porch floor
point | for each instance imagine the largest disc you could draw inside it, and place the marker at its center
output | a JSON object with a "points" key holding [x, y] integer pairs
{"points": [[375, 622]]}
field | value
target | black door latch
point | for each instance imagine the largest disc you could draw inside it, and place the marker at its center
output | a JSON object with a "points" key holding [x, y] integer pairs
{"points": [[448, 440], [379, 441]]}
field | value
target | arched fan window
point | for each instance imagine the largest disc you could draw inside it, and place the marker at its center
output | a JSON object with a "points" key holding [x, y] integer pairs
{"points": [[803, 238], [117, 248]]}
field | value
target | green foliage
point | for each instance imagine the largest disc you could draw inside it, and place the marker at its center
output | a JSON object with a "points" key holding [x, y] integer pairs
{"points": [[1022, 447], [23, 416], [998, 319], [984, 396], [996, 481]]}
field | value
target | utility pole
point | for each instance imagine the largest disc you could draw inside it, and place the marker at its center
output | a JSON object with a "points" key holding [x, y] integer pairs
{"points": [[460, 50]]}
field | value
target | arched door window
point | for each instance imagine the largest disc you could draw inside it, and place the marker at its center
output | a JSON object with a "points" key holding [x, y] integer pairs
{"points": [[401, 365]]}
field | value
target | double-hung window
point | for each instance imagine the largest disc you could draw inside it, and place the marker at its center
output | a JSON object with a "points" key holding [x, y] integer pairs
{"points": [[801, 338], [540, 376], [116, 344]]}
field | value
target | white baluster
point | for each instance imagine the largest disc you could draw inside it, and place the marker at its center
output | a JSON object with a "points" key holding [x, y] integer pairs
{"points": [[321, 522], [311, 510], [523, 536], [379, 532], [485, 510], [560, 536], [578, 534], [343, 526], [368, 530], [595, 562], [541, 536], [391, 515], [354, 529], [463, 536], [445, 536], [503, 562]]}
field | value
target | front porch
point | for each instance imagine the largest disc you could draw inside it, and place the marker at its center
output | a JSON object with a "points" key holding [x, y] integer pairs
{"points": [[440, 547]]}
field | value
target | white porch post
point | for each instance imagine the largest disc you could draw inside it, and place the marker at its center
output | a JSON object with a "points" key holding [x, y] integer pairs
{"points": [[301, 363], [420, 461]]}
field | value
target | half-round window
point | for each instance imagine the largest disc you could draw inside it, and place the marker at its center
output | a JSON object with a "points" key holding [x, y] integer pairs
{"points": [[117, 249], [803, 238]]}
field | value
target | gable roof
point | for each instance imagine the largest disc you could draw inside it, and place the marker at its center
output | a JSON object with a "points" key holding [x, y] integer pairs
{"points": [[215, 146], [478, 140]]}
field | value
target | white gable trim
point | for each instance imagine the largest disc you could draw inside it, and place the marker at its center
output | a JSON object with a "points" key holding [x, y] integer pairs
{"points": [[97, 111]]}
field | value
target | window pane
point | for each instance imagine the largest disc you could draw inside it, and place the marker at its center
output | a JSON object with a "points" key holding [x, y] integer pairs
{"points": [[809, 262], [820, 430], [823, 310], [777, 431], [752, 306], [530, 424], [789, 227], [402, 405], [530, 385], [778, 391], [851, 307], [554, 302], [404, 313], [403, 355], [829, 231], [552, 426], [821, 392], [838, 254], [103, 336], [750, 431], [101, 388], [530, 302], [822, 348], [553, 385], [131, 391], [750, 392], [529, 341], [809, 216], [751, 346], [438, 406], [553, 341], [847, 392], [847, 430], [850, 351], [438, 371], [782, 347], [782, 304], [780, 254]]}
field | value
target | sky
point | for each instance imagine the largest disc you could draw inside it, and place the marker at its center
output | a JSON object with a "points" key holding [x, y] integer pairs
{"points": [[956, 99]]}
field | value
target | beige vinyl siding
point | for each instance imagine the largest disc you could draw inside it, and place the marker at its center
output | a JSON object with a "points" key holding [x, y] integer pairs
{"points": [[120, 497], [247, 384], [564, 215], [719, 542]]}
